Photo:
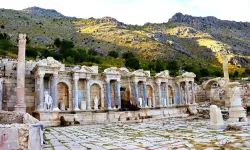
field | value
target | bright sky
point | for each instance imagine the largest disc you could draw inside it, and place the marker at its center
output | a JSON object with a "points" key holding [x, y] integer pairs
{"points": [[140, 11]]}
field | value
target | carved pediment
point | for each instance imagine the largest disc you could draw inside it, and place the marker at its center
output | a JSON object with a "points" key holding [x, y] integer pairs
{"points": [[124, 71], [83, 69], [50, 61], [163, 74], [112, 70], [141, 73], [188, 75]]}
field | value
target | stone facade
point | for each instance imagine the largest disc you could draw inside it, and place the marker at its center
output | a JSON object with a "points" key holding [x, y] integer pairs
{"points": [[74, 88]]}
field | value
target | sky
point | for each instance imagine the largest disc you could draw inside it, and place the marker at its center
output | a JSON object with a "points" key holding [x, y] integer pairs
{"points": [[140, 11]]}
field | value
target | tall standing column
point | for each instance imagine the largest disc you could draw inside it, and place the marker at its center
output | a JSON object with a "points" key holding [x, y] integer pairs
{"points": [[76, 106], [41, 92], [20, 89], [167, 97], [193, 96], [88, 94], [118, 93], [136, 92], [159, 93], [55, 94], [108, 95], [180, 97], [226, 78], [186, 91], [144, 94]]}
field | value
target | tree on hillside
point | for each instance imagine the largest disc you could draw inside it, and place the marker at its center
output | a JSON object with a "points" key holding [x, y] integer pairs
{"points": [[132, 62], [204, 72], [159, 66], [92, 52], [128, 55], [114, 54], [173, 65], [57, 42], [247, 71]]}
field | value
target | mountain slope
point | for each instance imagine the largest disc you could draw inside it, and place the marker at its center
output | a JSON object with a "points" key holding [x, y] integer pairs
{"points": [[184, 38]]}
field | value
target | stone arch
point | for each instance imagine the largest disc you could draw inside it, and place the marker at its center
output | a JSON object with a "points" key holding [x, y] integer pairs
{"points": [[150, 95], [95, 90], [214, 90], [209, 83], [100, 84], [63, 94]]}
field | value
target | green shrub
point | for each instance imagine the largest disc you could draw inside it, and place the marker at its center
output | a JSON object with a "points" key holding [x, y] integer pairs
{"points": [[127, 55], [114, 54], [132, 63]]}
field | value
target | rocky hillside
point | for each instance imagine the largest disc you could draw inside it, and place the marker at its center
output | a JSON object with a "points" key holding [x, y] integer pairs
{"points": [[184, 38]]}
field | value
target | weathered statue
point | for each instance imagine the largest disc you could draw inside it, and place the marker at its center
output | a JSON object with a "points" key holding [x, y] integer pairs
{"points": [[48, 100], [96, 103], [164, 100], [216, 120], [235, 96], [140, 102]]}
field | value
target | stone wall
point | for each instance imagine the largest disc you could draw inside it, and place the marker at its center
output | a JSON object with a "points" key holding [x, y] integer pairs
{"points": [[18, 131], [9, 93], [53, 118]]}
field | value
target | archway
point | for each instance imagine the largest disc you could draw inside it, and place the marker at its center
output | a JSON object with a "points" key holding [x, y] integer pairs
{"points": [[213, 91], [63, 94], [149, 96], [95, 90]]}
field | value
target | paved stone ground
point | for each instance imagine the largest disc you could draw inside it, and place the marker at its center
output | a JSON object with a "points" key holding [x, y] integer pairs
{"points": [[161, 135]]}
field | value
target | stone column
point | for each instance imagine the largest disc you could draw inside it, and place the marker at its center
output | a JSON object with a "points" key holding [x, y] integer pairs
{"points": [[167, 97], [20, 89], [108, 94], [144, 94], [226, 78], [180, 95], [174, 101], [40, 106], [153, 98], [159, 94], [193, 95], [76, 106], [55, 94], [88, 94], [186, 91], [136, 92], [118, 94]]}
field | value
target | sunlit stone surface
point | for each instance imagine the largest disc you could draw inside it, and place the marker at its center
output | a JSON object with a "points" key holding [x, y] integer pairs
{"points": [[172, 133]]}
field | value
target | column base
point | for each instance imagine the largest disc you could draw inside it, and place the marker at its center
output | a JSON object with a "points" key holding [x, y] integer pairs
{"points": [[77, 109], [110, 108], [89, 108], [20, 107], [56, 109]]}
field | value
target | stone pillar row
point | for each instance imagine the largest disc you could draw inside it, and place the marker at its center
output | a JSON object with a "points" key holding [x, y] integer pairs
{"points": [[164, 101], [40, 105], [117, 90]]}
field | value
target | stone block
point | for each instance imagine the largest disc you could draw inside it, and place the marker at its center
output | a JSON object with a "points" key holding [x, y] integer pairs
{"points": [[9, 137]]}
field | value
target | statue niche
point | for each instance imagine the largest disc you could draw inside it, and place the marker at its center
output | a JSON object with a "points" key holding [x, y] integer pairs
{"points": [[48, 101]]}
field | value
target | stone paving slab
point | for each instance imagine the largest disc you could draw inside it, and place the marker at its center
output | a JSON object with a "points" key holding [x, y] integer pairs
{"points": [[173, 133]]}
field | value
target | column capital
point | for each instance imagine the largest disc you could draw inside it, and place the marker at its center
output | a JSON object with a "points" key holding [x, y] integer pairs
{"points": [[41, 75], [135, 81], [158, 83], [107, 80], [76, 77], [118, 80]]}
